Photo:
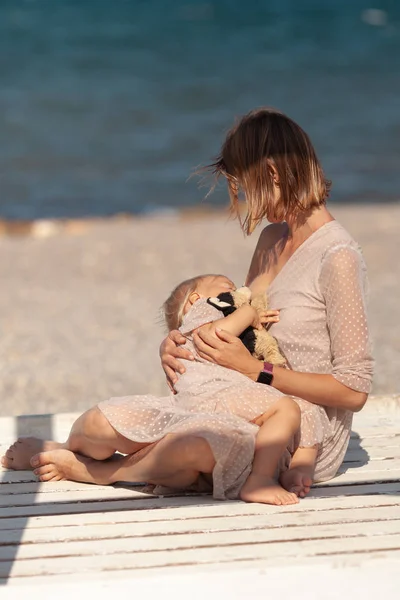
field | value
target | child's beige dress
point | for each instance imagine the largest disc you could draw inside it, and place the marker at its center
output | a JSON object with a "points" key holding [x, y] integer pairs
{"points": [[322, 329]]}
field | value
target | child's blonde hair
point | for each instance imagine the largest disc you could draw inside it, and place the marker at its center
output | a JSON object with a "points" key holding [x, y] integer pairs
{"points": [[174, 305]]}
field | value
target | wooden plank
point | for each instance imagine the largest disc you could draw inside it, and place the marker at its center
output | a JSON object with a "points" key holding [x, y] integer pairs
{"points": [[367, 430], [77, 508], [369, 578], [358, 494], [372, 453], [57, 486], [130, 528], [388, 470], [265, 551], [88, 493], [37, 425], [383, 470], [351, 517], [392, 464], [318, 509], [204, 508], [16, 477], [372, 442], [157, 543]]}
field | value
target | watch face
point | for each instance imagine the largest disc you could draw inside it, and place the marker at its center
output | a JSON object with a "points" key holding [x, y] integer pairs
{"points": [[265, 377]]}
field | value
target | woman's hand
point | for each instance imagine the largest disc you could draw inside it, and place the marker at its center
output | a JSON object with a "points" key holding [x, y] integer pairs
{"points": [[227, 351], [170, 351]]}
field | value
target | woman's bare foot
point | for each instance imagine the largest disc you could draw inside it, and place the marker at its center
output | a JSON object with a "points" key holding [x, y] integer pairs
{"points": [[297, 480], [60, 464], [266, 490], [19, 455]]}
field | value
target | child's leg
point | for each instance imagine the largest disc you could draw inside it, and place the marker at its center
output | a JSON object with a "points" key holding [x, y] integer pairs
{"points": [[299, 477], [91, 435], [280, 423]]}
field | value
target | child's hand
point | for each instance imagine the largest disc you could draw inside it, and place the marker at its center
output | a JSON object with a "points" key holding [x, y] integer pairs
{"points": [[260, 420], [264, 317]]}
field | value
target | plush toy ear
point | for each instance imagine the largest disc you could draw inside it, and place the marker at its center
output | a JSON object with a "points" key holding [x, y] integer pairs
{"points": [[245, 291], [217, 303], [241, 296]]}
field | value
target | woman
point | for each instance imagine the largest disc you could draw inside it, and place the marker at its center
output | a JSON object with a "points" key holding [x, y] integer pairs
{"points": [[315, 275]]}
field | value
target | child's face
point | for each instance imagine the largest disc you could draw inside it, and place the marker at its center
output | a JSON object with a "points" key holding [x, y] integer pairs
{"points": [[213, 285]]}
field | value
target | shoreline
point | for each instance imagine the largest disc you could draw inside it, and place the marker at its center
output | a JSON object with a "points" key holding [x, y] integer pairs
{"points": [[47, 227], [80, 304]]}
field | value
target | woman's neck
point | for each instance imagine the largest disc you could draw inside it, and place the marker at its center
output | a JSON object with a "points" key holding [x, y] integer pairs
{"points": [[301, 227]]}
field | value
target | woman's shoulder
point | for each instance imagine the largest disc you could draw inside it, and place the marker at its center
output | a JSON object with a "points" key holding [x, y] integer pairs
{"points": [[340, 253], [337, 237], [272, 233]]}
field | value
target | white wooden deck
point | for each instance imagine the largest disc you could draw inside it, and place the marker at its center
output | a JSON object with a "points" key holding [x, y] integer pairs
{"points": [[57, 539]]}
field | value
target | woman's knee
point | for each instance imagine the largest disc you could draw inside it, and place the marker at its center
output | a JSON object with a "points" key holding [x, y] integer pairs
{"points": [[93, 426]]}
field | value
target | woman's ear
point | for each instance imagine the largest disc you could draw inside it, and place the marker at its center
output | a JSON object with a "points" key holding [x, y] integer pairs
{"points": [[273, 172]]}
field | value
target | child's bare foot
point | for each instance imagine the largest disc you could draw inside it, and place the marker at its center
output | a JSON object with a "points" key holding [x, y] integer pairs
{"points": [[297, 480], [19, 455], [259, 488]]}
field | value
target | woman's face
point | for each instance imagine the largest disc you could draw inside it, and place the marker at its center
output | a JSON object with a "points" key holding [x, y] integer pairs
{"points": [[268, 206]]}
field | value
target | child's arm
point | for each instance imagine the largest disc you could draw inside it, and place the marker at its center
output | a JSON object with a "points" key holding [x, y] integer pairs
{"points": [[237, 322]]}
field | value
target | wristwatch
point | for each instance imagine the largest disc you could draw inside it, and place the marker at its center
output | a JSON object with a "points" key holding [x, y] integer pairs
{"points": [[266, 376]]}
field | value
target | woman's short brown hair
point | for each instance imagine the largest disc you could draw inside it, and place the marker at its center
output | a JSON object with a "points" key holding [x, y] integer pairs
{"points": [[261, 143]]}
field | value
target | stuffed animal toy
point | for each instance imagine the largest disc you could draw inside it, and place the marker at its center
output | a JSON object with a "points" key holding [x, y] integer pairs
{"points": [[259, 342]]}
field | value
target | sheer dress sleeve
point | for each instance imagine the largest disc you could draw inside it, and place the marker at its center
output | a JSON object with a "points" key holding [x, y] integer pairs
{"points": [[343, 282], [200, 313]]}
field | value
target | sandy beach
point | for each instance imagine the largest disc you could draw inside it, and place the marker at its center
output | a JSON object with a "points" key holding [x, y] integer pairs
{"points": [[79, 301]]}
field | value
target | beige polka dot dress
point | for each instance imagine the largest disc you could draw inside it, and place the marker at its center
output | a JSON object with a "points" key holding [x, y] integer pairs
{"points": [[214, 403], [323, 327]]}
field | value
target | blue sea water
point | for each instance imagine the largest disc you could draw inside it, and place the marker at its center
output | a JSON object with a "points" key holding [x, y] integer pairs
{"points": [[106, 106]]}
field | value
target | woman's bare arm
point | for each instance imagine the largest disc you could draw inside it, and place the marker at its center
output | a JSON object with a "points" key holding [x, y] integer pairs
{"points": [[318, 389], [228, 351]]}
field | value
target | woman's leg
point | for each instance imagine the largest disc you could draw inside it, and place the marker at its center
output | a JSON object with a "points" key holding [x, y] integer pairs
{"points": [[278, 425], [175, 461], [91, 435]]}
